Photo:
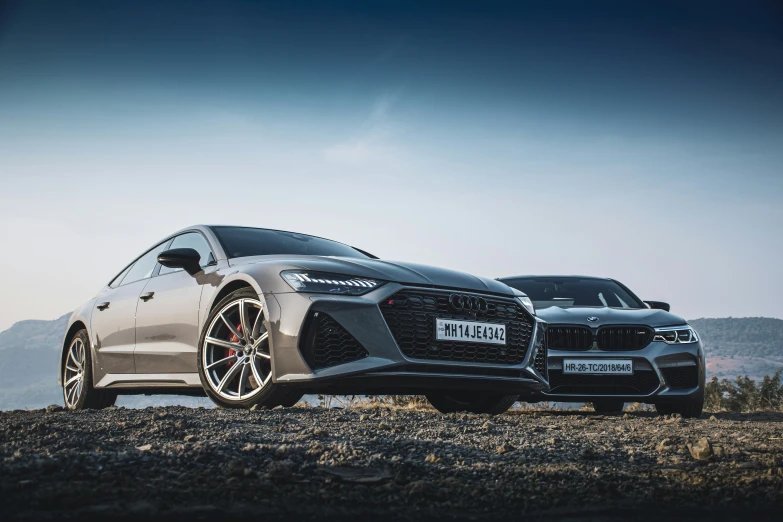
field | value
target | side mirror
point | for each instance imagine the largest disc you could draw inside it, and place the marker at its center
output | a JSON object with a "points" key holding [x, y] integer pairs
{"points": [[186, 258], [658, 305]]}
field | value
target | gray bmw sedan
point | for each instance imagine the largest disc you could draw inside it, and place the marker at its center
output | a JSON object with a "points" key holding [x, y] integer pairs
{"points": [[608, 347], [252, 316]]}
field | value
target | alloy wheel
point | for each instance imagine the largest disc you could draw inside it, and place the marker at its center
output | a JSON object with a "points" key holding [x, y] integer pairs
{"points": [[236, 358], [73, 378]]}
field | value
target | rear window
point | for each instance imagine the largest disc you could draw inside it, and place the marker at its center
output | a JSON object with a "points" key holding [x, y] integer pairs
{"points": [[572, 291], [242, 242]]}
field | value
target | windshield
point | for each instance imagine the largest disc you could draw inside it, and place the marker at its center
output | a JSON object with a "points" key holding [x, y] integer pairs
{"points": [[573, 291], [242, 242]]}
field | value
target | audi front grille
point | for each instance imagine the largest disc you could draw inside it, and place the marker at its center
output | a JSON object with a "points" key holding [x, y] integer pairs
{"points": [[411, 316]]}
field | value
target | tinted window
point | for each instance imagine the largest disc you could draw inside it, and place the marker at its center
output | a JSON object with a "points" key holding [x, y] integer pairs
{"points": [[142, 269], [573, 291], [118, 280], [241, 242], [195, 241]]}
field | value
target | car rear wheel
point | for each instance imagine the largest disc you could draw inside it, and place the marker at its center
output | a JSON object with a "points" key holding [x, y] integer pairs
{"points": [[235, 359], [608, 406], [471, 402], [78, 390], [690, 408]]}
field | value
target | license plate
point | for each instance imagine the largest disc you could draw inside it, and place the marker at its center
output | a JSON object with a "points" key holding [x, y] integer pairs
{"points": [[598, 366], [469, 332]]}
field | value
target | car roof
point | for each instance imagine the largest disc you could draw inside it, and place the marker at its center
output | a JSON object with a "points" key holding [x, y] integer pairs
{"points": [[554, 276]]}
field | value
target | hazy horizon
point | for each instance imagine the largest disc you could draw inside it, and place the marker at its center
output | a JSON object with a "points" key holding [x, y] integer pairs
{"points": [[637, 141]]}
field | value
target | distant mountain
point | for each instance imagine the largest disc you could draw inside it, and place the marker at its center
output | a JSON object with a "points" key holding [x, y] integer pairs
{"points": [[747, 336], [734, 346], [29, 349]]}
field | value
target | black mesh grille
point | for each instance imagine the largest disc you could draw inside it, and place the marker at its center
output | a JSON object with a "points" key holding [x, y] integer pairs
{"points": [[681, 377], [623, 338], [411, 315], [326, 343], [642, 382], [570, 338], [540, 363]]}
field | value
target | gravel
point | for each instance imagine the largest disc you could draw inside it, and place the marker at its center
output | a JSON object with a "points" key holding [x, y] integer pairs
{"points": [[171, 462]]}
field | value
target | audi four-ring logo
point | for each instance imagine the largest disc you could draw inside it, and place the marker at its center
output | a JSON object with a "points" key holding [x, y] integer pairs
{"points": [[469, 303]]}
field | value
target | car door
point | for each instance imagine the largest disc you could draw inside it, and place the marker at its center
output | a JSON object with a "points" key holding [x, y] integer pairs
{"points": [[113, 322], [167, 318]]}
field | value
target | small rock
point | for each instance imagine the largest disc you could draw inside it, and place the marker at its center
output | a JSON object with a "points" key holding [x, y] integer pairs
{"points": [[488, 425], [54, 408], [255, 407], [145, 447], [713, 418], [431, 459], [383, 426], [751, 464], [504, 448], [191, 438], [701, 450], [663, 446]]}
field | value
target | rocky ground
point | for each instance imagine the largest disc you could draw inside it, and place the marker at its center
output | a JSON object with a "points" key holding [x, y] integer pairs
{"points": [[314, 463]]}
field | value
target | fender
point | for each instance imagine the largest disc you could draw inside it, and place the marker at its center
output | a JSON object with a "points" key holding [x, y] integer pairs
{"points": [[81, 316]]}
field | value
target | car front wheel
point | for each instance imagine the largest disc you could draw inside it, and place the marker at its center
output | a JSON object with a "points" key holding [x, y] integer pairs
{"points": [[471, 402], [78, 390], [235, 360]]}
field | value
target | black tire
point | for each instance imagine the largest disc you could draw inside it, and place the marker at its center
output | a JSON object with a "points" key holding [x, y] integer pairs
{"points": [[608, 406], [690, 408], [471, 402], [91, 397], [271, 395]]}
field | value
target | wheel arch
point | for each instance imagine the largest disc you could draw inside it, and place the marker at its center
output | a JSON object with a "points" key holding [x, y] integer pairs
{"points": [[233, 285], [75, 326]]}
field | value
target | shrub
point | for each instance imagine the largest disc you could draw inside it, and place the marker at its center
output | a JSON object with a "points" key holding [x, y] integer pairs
{"points": [[744, 394]]}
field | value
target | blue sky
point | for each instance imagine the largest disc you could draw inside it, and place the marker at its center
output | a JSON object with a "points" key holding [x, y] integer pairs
{"points": [[642, 142]]}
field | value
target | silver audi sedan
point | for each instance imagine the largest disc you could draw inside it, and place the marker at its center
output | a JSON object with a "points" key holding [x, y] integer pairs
{"points": [[258, 317]]}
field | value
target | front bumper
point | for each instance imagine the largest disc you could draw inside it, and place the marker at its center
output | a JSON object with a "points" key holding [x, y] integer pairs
{"points": [[384, 369], [662, 373]]}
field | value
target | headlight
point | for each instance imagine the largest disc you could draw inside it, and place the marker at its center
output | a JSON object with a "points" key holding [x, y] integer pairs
{"points": [[322, 283], [528, 304], [676, 335]]}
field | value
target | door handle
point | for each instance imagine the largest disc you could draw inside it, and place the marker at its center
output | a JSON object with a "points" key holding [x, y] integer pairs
{"points": [[146, 297], [103, 306]]}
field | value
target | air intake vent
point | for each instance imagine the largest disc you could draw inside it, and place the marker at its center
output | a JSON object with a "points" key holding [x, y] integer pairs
{"points": [[325, 343], [540, 362], [681, 377], [642, 382]]}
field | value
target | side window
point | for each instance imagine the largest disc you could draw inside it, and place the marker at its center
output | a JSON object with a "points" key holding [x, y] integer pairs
{"points": [[195, 241], [118, 280], [143, 267]]}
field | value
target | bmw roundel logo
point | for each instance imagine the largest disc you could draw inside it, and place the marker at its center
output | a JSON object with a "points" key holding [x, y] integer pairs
{"points": [[592, 319]]}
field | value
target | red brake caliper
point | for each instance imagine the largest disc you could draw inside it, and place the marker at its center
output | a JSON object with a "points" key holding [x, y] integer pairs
{"points": [[229, 351]]}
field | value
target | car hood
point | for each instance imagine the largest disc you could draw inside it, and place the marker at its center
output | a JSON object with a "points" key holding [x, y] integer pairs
{"points": [[392, 271], [606, 316]]}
